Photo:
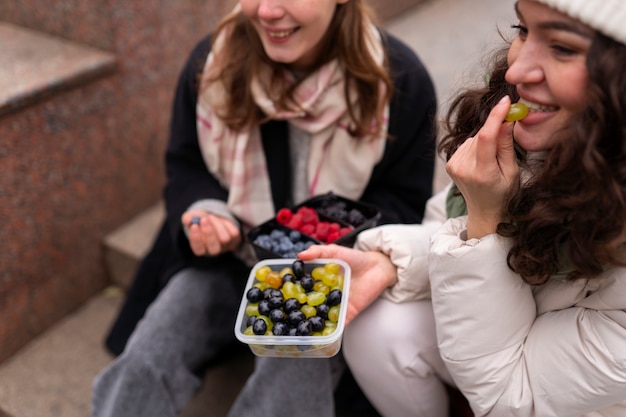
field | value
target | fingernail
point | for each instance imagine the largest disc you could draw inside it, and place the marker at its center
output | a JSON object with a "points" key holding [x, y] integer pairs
{"points": [[504, 99]]}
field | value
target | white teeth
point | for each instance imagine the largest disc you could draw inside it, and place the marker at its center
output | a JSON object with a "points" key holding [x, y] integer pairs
{"points": [[281, 34], [538, 107]]}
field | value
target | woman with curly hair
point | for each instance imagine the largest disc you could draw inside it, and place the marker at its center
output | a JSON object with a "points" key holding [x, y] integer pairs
{"points": [[513, 289], [286, 100]]}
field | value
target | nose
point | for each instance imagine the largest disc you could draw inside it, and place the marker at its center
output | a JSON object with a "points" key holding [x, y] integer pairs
{"points": [[270, 9], [524, 63]]}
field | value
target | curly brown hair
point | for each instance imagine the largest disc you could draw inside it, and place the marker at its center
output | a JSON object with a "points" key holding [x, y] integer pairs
{"points": [[569, 218], [346, 40]]}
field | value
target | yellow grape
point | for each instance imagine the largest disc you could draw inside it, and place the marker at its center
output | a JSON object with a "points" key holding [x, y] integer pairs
{"points": [[517, 112]]}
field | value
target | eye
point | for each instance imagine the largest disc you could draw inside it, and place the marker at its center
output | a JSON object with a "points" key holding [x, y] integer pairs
{"points": [[563, 50], [522, 31]]}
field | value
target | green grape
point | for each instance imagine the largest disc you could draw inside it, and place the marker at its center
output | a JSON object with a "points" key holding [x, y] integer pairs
{"points": [[517, 112], [333, 313], [308, 310], [316, 298], [252, 309]]}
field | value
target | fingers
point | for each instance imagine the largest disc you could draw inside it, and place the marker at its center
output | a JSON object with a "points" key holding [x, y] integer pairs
{"points": [[490, 138], [319, 251], [212, 234]]}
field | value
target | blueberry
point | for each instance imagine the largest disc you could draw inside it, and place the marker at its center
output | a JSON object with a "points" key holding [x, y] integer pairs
{"points": [[276, 234]]}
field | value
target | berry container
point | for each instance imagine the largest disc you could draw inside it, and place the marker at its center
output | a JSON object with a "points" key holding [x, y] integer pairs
{"points": [[313, 346], [326, 205]]}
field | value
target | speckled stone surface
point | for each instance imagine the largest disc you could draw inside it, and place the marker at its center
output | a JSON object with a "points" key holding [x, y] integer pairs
{"points": [[34, 65], [77, 164]]}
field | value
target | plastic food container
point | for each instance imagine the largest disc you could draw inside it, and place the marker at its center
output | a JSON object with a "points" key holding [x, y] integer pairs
{"points": [[330, 208], [313, 346]]}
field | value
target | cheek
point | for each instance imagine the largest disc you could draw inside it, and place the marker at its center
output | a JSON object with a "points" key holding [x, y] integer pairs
{"points": [[574, 90]]}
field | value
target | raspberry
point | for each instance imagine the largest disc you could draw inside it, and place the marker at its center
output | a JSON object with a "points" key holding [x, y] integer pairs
{"points": [[332, 237], [322, 230], [345, 230], [295, 222], [283, 216], [307, 229], [309, 215]]}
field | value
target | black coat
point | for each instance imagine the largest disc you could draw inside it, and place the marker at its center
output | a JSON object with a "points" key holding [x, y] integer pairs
{"points": [[399, 186]]}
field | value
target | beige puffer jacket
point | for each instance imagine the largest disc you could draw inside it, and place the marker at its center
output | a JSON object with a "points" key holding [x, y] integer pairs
{"points": [[514, 350]]}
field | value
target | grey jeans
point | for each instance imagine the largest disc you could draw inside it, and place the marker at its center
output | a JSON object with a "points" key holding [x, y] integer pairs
{"points": [[188, 324]]}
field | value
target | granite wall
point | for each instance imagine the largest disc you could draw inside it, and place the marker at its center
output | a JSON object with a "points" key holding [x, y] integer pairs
{"points": [[76, 165]]}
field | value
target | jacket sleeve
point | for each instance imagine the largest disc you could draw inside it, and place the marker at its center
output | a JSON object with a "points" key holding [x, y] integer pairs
{"points": [[506, 358], [188, 179], [401, 182], [407, 247]]}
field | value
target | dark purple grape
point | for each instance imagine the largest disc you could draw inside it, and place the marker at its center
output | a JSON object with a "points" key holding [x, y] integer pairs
{"points": [[276, 302], [277, 315], [264, 307], [304, 328], [295, 317], [307, 283], [293, 331], [291, 304], [259, 327], [298, 268], [288, 278], [254, 295], [271, 292], [317, 323], [280, 329], [334, 298], [250, 321], [322, 311]]}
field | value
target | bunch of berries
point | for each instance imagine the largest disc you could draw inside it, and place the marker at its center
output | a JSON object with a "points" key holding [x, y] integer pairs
{"points": [[306, 220]]}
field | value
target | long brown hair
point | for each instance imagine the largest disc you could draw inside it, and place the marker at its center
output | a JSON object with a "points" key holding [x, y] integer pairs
{"points": [[346, 40], [569, 218]]}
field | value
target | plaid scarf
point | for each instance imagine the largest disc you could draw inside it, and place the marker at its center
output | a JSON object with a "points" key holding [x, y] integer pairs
{"points": [[337, 161]]}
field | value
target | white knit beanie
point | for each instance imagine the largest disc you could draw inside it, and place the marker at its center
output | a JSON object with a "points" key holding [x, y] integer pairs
{"points": [[606, 16]]}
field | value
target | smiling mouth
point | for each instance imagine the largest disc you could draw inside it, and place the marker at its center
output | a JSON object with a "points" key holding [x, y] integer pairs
{"points": [[281, 33], [536, 107]]}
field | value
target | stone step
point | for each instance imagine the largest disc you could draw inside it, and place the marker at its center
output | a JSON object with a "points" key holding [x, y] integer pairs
{"points": [[126, 246], [35, 65]]}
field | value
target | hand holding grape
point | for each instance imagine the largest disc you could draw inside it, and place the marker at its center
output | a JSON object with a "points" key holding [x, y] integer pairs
{"points": [[485, 170], [210, 234]]}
